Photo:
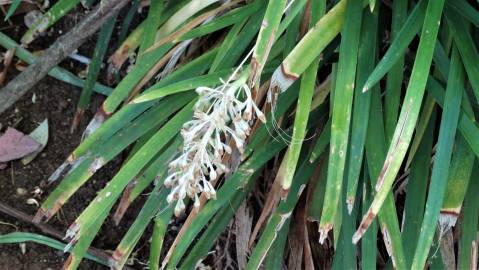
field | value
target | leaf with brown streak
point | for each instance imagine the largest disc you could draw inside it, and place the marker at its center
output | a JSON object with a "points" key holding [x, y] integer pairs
{"points": [[270, 205], [393, 148], [176, 36], [124, 203], [152, 72], [68, 262], [367, 220], [117, 59]]}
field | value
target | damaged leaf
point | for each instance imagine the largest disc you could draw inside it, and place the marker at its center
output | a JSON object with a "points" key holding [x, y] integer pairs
{"points": [[40, 134]]}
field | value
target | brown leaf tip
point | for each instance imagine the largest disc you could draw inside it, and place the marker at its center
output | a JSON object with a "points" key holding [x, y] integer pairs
{"points": [[283, 193], [68, 262], [350, 204], [363, 226], [323, 232]]}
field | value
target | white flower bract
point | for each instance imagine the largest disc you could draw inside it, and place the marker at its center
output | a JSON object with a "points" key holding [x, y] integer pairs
{"points": [[220, 115]]}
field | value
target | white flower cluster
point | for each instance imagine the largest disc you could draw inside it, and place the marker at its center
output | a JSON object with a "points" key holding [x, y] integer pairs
{"points": [[220, 114]]}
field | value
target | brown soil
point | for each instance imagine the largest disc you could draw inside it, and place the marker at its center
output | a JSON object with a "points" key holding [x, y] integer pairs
{"points": [[55, 101]]}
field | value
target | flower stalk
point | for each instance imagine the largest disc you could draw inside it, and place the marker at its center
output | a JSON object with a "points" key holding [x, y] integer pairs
{"points": [[221, 114]]}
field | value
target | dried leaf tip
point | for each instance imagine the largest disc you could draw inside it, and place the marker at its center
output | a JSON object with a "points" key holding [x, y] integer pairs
{"points": [[365, 88], [367, 220], [72, 236], [447, 220], [100, 116], [350, 204], [280, 80], [323, 232]]}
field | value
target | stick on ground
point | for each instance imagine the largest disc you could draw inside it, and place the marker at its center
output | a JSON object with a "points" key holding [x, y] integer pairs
{"points": [[47, 229], [63, 46]]}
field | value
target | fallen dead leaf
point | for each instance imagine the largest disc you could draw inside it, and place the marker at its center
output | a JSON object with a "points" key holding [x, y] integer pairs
{"points": [[15, 145]]}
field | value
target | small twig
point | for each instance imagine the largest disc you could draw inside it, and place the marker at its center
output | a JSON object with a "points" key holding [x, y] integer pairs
{"points": [[63, 47], [12, 175], [6, 2], [5, 209], [7, 61], [4, 12], [9, 224], [47, 229]]}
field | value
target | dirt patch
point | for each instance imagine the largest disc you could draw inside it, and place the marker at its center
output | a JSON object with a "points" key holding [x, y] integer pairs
{"points": [[56, 101]]}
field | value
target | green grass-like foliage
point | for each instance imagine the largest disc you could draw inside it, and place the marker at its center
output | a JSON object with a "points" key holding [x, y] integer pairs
{"points": [[367, 133]]}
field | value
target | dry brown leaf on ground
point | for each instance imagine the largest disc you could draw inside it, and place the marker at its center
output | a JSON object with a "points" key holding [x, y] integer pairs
{"points": [[15, 145]]}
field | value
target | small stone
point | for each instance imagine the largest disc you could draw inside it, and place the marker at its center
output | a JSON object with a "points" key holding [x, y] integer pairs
{"points": [[62, 105], [22, 191], [23, 248], [32, 201], [37, 191]]}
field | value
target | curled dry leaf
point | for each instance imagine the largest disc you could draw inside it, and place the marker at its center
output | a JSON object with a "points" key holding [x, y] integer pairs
{"points": [[20, 65]]}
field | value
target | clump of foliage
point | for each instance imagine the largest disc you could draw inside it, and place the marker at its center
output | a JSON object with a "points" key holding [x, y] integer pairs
{"points": [[328, 133]]}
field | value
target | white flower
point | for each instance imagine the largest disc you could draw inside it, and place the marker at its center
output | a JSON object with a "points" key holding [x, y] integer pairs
{"points": [[221, 114]]}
